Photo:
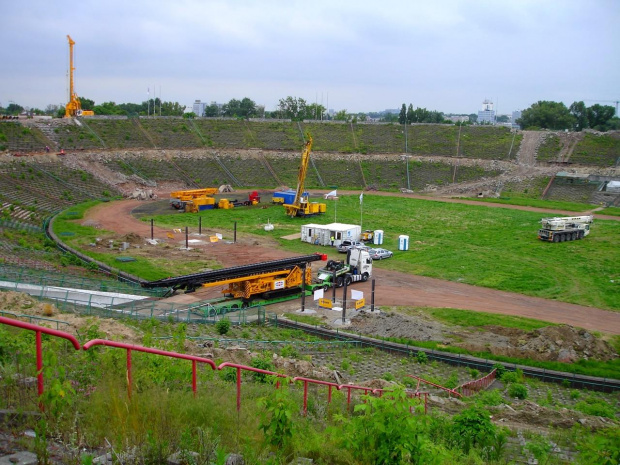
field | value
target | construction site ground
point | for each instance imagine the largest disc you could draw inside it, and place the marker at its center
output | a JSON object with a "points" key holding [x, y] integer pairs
{"points": [[393, 289]]}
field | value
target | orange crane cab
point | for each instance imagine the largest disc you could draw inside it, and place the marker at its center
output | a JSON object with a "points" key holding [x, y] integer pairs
{"points": [[74, 106]]}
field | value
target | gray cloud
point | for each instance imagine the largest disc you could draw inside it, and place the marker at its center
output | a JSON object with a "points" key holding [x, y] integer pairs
{"points": [[447, 55]]}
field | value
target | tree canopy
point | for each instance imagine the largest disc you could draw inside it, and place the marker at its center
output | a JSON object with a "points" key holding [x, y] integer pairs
{"points": [[554, 115]]}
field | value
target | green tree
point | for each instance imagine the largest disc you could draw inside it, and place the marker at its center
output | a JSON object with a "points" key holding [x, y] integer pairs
{"points": [[108, 108], [86, 103], [212, 110], [599, 116], [13, 109], [172, 109], [293, 107], [402, 116], [410, 114], [547, 115], [342, 115], [315, 111], [579, 112], [247, 108]]}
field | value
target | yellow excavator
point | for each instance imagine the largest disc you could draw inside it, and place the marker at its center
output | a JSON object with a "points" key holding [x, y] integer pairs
{"points": [[74, 107], [301, 206]]}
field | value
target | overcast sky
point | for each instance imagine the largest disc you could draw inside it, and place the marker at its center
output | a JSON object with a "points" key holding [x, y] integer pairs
{"points": [[362, 56]]}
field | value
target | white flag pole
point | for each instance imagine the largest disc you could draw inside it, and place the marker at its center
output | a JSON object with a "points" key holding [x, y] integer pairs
{"points": [[362, 211]]}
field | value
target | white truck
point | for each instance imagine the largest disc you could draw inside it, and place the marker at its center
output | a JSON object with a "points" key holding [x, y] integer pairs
{"points": [[357, 267], [566, 228]]}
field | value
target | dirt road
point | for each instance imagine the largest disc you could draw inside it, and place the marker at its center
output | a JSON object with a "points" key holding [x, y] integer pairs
{"points": [[392, 288]]}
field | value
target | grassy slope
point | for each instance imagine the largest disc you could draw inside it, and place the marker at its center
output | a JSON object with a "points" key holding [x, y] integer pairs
{"points": [[495, 248]]}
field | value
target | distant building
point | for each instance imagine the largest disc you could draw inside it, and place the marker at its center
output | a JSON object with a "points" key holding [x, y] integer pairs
{"points": [[199, 108], [515, 116], [487, 114]]}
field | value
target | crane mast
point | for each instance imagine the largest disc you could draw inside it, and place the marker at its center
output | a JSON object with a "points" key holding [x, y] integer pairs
{"points": [[74, 106], [293, 209]]}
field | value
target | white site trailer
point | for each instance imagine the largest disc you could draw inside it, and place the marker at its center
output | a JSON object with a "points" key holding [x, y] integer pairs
{"points": [[321, 234]]}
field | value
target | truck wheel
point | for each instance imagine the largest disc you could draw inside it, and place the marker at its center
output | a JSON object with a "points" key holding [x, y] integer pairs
{"points": [[339, 281], [556, 238], [365, 277], [348, 280], [580, 235], [325, 288], [574, 237]]}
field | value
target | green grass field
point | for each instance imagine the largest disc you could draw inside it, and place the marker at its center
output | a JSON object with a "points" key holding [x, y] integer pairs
{"points": [[491, 247]]}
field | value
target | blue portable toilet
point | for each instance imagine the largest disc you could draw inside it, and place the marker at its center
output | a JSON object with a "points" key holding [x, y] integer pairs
{"points": [[377, 238], [403, 242]]}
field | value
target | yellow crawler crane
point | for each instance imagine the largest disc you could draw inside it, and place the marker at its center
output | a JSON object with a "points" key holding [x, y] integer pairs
{"points": [[301, 206], [74, 107]]}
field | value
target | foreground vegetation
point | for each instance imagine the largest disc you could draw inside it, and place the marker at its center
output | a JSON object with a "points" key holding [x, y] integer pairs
{"points": [[87, 409]]}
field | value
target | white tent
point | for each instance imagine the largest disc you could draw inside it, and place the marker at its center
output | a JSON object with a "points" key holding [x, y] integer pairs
{"points": [[321, 234]]}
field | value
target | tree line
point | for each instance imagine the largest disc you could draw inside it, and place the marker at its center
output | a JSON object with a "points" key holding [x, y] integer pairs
{"points": [[541, 115]]}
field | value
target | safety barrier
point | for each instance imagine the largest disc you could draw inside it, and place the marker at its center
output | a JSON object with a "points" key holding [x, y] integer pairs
{"points": [[574, 380], [472, 387], [130, 348]]}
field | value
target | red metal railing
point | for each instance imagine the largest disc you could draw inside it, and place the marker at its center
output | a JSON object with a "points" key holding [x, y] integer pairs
{"points": [[39, 350], [130, 348], [451, 392], [472, 387]]}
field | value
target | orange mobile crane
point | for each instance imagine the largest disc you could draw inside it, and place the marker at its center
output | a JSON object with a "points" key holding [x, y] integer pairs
{"points": [[74, 107]]}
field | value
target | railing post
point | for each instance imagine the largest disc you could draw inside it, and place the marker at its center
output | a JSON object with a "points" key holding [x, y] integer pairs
{"points": [[305, 397], [194, 377], [39, 367], [129, 381], [238, 388]]}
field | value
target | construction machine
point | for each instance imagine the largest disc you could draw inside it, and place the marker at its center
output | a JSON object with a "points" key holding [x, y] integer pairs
{"points": [[567, 228], [74, 106], [357, 267], [264, 283], [301, 206], [195, 200]]}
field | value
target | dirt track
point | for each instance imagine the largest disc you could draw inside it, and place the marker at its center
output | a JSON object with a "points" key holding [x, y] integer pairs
{"points": [[392, 288]]}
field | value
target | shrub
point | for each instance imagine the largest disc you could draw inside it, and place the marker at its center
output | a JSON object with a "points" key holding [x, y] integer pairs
{"points": [[421, 357], [517, 390], [594, 406], [473, 428], [222, 326], [262, 364], [499, 370]]}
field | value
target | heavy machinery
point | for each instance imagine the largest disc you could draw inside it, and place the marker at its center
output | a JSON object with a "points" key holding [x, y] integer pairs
{"points": [[264, 283], [301, 206], [195, 200], [367, 236], [74, 106], [567, 228], [356, 267]]}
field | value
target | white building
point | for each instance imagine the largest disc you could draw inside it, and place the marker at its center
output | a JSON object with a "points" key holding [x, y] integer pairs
{"points": [[515, 116], [199, 108], [487, 114], [321, 234]]}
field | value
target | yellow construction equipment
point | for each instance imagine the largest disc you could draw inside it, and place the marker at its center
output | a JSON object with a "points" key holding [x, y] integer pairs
{"points": [[74, 107], [301, 206], [194, 200]]}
